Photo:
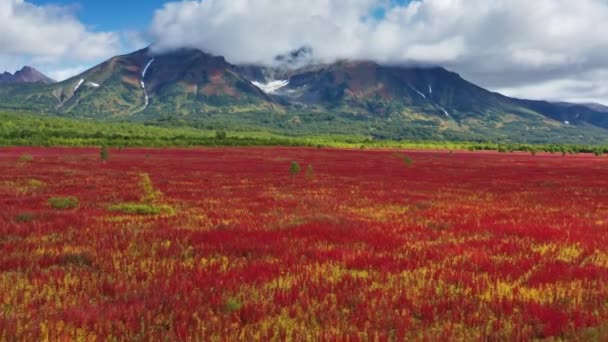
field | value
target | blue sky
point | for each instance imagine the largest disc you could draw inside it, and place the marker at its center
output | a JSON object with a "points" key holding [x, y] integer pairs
{"points": [[111, 15], [114, 15]]}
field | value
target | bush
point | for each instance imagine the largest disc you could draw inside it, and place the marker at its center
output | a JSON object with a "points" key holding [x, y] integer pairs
{"points": [[232, 305], [407, 160], [25, 217], [294, 169], [104, 154], [310, 173], [24, 158], [140, 209], [76, 259], [62, 203], [150, 194], [220, 135]]}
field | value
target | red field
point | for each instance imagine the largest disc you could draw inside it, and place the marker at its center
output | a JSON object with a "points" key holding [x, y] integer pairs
{"points": [[225, 244]]}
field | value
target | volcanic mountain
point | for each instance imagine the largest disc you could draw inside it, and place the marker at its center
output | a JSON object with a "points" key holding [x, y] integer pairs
{"points": [[25, 75], [184, 82], [347, 97]]}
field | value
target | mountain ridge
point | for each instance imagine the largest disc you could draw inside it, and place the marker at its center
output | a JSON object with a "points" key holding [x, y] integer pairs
{"points": [[189, 86]]}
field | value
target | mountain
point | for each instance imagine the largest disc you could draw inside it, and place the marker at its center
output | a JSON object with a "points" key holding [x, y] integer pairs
{"points": [[597, 107], [424, 98], [184, 82], [297, 96], [25, 75]]}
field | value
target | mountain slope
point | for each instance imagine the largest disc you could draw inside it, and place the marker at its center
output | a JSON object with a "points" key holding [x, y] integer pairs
{"points": [[25, 75], [372, 89]]}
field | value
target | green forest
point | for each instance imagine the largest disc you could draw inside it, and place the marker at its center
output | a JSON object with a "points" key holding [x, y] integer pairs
{"points": [[26, 129]]}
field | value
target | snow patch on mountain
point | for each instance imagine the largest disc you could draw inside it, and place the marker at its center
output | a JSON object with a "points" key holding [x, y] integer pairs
{"points": [[271, 87], [143, 73], [93, 84], [419, 93], [78, 85], [143, 84]]}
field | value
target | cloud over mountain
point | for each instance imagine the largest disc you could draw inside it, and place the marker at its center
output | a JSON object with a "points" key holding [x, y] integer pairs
{"points": [[503, 44]]}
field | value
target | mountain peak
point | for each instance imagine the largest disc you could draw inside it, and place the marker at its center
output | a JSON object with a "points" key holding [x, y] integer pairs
{"points": [[27, 74]]}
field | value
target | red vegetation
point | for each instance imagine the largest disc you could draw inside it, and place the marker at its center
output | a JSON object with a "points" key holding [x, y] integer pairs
{"points": [[361, 246]]}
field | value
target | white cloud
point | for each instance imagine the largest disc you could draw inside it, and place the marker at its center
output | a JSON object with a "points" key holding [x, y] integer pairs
{"points": [[584, 88], [255, 31], [60, 74], [48, 33], [500, 44]]}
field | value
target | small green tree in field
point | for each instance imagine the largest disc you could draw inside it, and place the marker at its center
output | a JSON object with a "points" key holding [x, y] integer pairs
{"points": [[104, 154], [407, 160], [294, 169], [220, 135]]}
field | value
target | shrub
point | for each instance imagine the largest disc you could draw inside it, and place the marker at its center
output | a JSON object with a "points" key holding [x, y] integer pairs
{"points": [[25, 217], [76, 259], [232, 305], [104, 154], [220, 135], [150, 201], [34, 183], [407, 160], [140, 209], [150, 195], [310, 173], [62, 203], [31, 185], [294, 169], [24, 158]]}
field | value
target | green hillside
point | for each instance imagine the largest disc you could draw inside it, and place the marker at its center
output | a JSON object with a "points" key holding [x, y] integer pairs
{"points": [[27, 129]]}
